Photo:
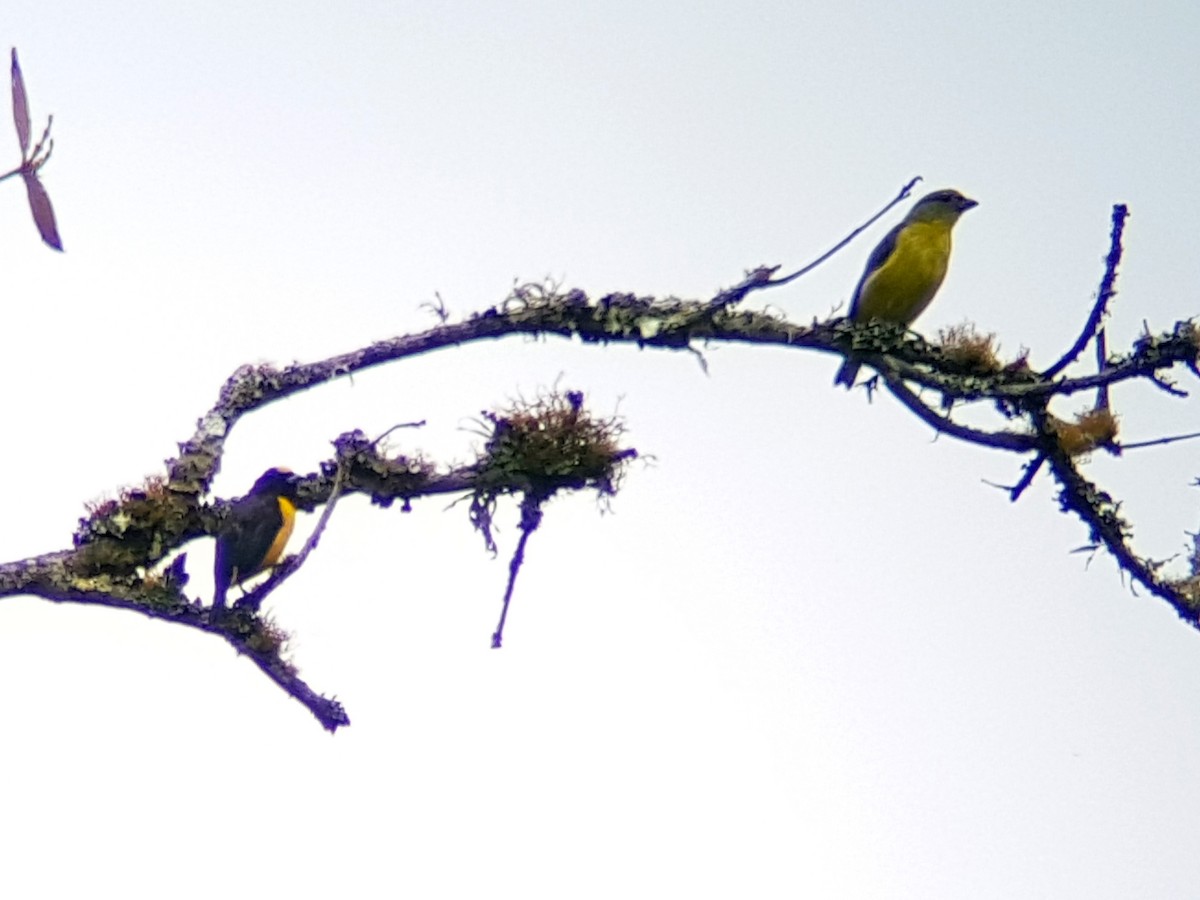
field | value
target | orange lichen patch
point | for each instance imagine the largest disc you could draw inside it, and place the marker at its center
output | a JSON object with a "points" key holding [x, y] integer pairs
{"points": [[1090, 431]]}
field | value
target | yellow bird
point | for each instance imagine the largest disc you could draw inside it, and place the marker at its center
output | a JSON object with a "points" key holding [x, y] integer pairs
{"points": [[907, 268]]}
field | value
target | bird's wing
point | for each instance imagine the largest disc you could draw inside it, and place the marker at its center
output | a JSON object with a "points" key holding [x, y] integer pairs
{"points": [[249, 533], [877, 258]]}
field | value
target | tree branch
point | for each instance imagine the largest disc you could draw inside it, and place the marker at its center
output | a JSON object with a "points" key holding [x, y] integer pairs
{"points": [[1103, 296], [552, 444]]}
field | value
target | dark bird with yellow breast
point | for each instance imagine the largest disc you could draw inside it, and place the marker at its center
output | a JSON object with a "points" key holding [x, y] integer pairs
{"points": [[907, 268], [256, 530]]}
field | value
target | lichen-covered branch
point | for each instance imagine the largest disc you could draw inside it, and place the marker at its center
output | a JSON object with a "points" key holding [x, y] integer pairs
{"points": [[552, 444], [120, 542]]}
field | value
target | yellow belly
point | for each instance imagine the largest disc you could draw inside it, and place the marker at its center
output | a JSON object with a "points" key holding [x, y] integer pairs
{"points": [[900, 289]]}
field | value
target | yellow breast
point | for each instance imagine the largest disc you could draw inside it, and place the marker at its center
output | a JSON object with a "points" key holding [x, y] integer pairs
{"points": [[288, 510], [901, 288]]}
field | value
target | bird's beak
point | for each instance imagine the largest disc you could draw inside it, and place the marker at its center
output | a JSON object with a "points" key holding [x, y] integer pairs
{"points": [[967, 203]]}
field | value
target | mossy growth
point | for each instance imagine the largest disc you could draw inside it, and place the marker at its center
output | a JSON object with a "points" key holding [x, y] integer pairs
{"points": [[1188, 588], [136, 529], [968, 351], [266, 638], [539, 447]]}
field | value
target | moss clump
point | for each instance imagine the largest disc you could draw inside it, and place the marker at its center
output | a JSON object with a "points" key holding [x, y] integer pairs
{"points": [[539, 447]]}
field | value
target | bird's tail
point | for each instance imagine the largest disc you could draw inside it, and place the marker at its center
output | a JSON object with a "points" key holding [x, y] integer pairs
{"points": [[846, 374]]}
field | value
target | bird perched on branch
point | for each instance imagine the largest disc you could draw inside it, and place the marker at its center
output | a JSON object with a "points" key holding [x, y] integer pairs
{"points": [[906, 269], [253, 535]]}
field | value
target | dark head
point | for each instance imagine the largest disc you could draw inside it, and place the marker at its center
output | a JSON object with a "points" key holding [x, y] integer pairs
{"points": [[941, 206], [276, 483]]}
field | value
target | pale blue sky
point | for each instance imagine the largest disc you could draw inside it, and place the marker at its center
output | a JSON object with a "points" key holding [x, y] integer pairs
{"points": [[810, 653]]}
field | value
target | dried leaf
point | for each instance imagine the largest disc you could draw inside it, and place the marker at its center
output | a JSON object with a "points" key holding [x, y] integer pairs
{"points": [[43, 212], [20, 106]]}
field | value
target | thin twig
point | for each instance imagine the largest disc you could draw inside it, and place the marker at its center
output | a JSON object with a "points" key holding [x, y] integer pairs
{"points": [[420, 424], [1106, 292], [999, 440], [903, 195], [1102, 397], [1158, 441], [1031, 469], [531, 518]]}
